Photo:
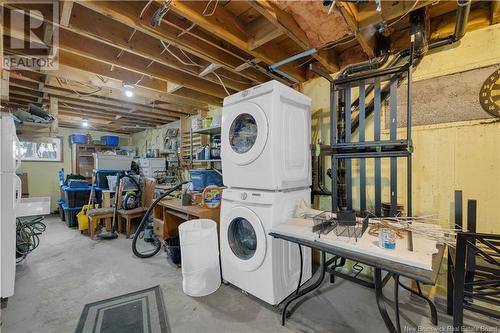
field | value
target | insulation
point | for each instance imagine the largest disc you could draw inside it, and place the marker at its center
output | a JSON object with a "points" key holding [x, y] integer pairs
{"points": [[313, 18]]}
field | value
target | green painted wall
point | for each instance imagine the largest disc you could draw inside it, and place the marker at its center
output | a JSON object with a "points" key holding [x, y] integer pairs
{"points": [[43, 178]]}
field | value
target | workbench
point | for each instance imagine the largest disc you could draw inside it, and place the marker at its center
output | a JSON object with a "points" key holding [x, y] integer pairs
{"points": [[169, 213], [394, 268]]}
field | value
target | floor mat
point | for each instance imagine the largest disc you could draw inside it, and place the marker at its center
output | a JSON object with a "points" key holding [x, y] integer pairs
{"points": [[140, 311]]}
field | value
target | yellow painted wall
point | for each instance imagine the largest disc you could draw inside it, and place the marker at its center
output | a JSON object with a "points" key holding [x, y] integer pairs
{"points": [[460, 155], [43, 178]]}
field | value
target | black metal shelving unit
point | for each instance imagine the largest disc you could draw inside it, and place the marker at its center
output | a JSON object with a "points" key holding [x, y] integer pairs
{"points": [[372, 89]]}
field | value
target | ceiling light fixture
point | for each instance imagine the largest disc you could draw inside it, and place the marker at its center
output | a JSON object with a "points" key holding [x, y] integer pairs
{"points": [[85, 123], [129, 93]]}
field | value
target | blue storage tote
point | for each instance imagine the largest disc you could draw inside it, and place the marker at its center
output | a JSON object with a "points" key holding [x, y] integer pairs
{"points": [[61, 202], [202, 178], [76, 196], [111, 140], [79, 138], [70, 215], [74, 183]]}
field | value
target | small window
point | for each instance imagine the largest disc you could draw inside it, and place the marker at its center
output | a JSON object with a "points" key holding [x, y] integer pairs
{"points": [[49, 149]]}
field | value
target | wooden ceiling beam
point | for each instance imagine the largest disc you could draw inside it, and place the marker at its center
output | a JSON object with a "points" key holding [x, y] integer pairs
{"points": [[90, 115], [368, 16], [105, 54], [365, 38], [495, 11], [142, 45], [288, 26], [104, 104], [128, 14], [226, 26], [262, 32], [103, 96], [103, 69]]}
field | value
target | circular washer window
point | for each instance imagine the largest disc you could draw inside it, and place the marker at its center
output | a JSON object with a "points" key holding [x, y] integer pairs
{"points": [[242, 238], [243, 133]]}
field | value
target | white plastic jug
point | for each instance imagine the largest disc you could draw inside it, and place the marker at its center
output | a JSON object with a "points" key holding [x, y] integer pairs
{"points": [[200, 257]]}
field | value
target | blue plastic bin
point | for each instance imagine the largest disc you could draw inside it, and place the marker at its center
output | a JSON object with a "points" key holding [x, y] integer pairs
{"points": [[76, 196], [79, 138], [111, 140], [202, 178], [70, 215], [60, 203], [73, 183]]}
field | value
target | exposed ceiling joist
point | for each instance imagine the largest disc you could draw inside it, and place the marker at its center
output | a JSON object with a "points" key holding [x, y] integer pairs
{"points": [[288, 26]]}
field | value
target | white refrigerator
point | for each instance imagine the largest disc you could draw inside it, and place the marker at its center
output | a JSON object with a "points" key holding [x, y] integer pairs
{"points": [[10, 196]]}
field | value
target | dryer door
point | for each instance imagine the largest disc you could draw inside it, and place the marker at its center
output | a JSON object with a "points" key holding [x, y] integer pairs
{"points": [[246, 239], [244, 132]]}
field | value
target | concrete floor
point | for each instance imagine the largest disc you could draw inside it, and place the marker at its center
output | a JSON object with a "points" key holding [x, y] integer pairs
{"points": [[69, 270]]}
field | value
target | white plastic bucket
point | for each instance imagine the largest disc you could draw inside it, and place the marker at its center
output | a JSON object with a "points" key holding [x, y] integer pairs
{"points": [[199, 257]]}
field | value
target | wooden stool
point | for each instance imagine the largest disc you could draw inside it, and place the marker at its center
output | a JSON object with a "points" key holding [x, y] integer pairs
{"points": [[96, 215]]}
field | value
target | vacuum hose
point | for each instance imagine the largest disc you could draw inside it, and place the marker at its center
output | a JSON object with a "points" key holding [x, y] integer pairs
{"points": [[142, 225]]}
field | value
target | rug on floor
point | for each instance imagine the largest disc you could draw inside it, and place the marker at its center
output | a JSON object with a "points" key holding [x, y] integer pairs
{"points": [[140, 311]]}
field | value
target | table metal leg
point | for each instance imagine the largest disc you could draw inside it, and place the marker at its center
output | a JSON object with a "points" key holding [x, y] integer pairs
{"points": [[377, 279], [432, 307], [307, 290], [396, 302]]}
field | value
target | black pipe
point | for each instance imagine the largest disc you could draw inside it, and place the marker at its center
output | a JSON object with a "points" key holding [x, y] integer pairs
{"points": [[463, 11]]}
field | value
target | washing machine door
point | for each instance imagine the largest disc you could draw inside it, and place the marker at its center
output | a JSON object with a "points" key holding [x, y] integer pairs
{"points": [[244, 133], [246, 239]]}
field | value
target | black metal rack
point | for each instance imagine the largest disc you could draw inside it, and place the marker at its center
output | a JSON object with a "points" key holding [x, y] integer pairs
{"points": [[344, 146]]}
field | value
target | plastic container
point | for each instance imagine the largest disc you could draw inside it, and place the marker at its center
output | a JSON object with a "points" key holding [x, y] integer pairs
{"points": [[101, 179], [200, 257], [33, 206], [129, 185], [112, 162], [206, 122], [111, 140], [74, 183], [76, 196], [202, 178], [173, 249], [60, 203], [79, 139], [71, 215]]}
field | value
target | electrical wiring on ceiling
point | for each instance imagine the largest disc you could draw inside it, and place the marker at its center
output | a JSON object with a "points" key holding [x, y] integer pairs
{"points": [[63, 82], [159, 14], [166, 48], [204, 13], [222, 83], [184, 31], [144, 9], [235, 80]]}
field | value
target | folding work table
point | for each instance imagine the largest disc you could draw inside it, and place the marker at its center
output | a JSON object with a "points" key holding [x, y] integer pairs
{"points": [[380, 263]]}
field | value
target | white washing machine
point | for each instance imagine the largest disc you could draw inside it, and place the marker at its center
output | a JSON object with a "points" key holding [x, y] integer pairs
{"points": [[259, 264], [266, 135]]}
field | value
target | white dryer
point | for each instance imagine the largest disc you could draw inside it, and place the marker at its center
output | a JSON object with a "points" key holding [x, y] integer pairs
{"points": [[259, 264], [266, 135]]}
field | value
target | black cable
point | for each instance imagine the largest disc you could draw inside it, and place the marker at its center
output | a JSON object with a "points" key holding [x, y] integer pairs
{"points": [[142, 225], [27, 236]]}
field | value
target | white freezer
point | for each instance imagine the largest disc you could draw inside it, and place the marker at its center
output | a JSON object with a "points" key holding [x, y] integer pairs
{"points": [[9, 185]]}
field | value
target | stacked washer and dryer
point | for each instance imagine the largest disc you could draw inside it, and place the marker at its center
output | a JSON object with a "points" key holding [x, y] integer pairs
{"points": [[266, 163]]}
